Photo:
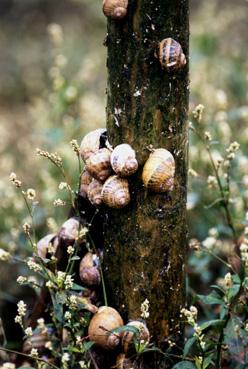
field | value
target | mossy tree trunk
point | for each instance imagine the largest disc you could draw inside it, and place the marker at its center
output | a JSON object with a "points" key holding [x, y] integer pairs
{"points": [[145, 242]]}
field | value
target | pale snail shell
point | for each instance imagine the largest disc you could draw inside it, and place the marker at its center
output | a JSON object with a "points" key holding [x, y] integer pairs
{"points": [[91, 143], [128, 336], [115, 9], [69, 231], [159, 171], [115, 192], [37, 341], [170, 54], [123, 160], [101, 325], [98, 164], [43, 245], [95, 192], [85, 180], [88, 270]]}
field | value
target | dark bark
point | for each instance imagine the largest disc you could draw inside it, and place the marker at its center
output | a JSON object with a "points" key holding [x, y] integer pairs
{"points": [[145, 242]]}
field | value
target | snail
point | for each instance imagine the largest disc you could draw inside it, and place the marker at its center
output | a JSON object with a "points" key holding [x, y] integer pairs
{"points": [[128, 336], [101, 325], [170, 54], [85, 180], [159, 170], [37, 341], [123, 160], [69, 231], [91, 143], [98, 164], [88, 270], [43, 245], [115, 9], [115, 192], [95, 192]]}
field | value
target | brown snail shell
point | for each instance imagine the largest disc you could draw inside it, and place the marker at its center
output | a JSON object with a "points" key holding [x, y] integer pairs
{"points": [[115, 9], [98, 164], [91, 143], [43, 244], [85, 180], [159, 170], [123, 160], [115, 192], [88, 270], [170, 54], [101, 325], [95, 192], [128, 336], [69, 231]]}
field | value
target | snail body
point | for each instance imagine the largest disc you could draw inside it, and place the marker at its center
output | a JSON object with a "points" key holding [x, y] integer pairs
{"points": [[88, 270], [95, 192], [159, 171], [101, 324], [69, 231], [91, 143], [115, 9], [170, 54], [123, 160], [98, 164], [115, 192], [85, 180]]}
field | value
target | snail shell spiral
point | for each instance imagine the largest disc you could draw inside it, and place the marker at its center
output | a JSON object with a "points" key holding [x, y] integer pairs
{"points": [[159, 171], [123, 160], [95, 192], [91, 143], [170, 54], [115, 9], [98, 164], [115, 192]]}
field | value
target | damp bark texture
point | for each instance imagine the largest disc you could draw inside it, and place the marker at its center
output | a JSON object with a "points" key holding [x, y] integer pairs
{"points": [[147, 107]]}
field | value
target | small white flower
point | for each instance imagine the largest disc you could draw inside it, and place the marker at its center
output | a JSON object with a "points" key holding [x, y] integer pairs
{"points": [[68, 282], [209, 242], [67, 315], [28, 331], [31, 194], [4, 255], [49, 284], [70, 250], [21, 308], [8, 366], [65, 357], [145, 309], [34, 352]]}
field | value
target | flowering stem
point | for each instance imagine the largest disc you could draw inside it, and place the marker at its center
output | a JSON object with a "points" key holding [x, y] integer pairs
{"points": [[29, 356]]}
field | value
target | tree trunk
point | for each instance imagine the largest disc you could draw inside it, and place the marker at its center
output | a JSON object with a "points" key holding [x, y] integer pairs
{"points": [[145, 242]]}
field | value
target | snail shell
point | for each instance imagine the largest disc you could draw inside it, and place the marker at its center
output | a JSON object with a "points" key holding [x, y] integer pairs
{"points": [[85, 180], [37, 341], [98, 164], [105, 320], [69, 231], [88, 270], [43, 244], [115, 9], [95, 192], [170, 54], [128, 336], [123, 160], [91, 143], [115, 192], [159, 170]]}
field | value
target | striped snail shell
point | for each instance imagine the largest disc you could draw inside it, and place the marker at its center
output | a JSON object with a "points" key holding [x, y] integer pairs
{"points": [[115, 9], [95, 192], [123, 160], [115, 192], [91, 143], [159, 170], [128, 337], [88, 270], [43, 245], [69, 231], [37, 341], [105, 320], [98, 164], [170, 54], [85, 180]]}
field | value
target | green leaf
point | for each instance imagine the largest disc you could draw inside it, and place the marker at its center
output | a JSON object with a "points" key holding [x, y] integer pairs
{"points": [[184, 365], [188, 345], [207, 362], [233, 291], [126, 328], [216, 323], [77, 287], [212, 299], [26, 367]]}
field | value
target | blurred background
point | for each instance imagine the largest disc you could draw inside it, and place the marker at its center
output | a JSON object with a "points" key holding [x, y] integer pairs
{"points": [[52, 90]]}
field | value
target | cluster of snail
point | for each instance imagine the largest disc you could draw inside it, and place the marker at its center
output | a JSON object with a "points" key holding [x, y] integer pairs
{"points": [[169, 52], [100, 185]]}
